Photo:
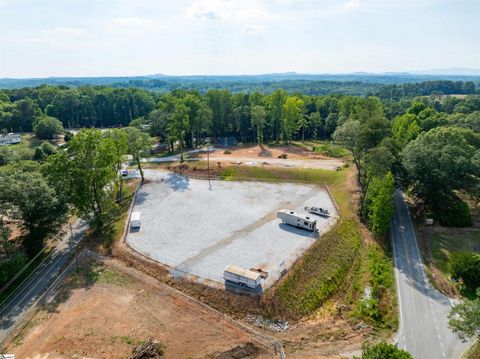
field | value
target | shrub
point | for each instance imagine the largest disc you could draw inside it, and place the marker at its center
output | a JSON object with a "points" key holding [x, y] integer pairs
{"points": [[455, 213], [68, 136], [227, 152], [384, 351], [48, 148], [466, 266]]}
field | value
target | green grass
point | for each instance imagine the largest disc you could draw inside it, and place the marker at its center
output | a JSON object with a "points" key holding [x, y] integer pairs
{"points": [[26, 149], [319, 274], [444, 244], [336, 180], [97, 273]]}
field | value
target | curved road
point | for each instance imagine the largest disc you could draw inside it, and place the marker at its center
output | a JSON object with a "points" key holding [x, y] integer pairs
{"points": [[423, 310]]}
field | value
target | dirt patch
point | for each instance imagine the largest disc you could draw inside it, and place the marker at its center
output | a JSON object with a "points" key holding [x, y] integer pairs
{"points": [[283, 156], [117, 312]]}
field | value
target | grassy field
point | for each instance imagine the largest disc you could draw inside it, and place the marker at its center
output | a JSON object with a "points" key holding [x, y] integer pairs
{"points": [[26, 149], [444, 244]]}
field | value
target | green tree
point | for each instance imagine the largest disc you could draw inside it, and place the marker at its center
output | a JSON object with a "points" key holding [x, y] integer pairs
{"points": [[259, 115], [86, 174], [405, 129], [438, 162], [275, 104], [46, 127], [380, 205], [351, 135], [466, 266], [178, 126], [302, 124], [33, 201], [138, 144], [291, 113], [464, 318]]}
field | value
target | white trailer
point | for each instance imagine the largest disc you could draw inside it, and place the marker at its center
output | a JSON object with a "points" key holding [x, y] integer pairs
{"points": [[242, 276], [298, 220], [135, 220]]}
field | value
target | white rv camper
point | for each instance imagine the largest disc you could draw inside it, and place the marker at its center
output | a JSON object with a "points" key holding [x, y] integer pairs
{"points": [[297, 220], [135, 220], [242, 276]]}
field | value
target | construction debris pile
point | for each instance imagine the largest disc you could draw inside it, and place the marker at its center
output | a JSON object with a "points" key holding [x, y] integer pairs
{"points": [[276, 325], [151, 348]]}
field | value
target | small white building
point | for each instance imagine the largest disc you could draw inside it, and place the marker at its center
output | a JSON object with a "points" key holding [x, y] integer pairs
{"points": [[10, 139], [298, 220], [242, 276]]}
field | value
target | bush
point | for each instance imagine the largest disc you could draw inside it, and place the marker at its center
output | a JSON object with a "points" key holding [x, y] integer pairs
{"points": [[384, 351], [227, 152], [455, 213], [10, 267], [466, 266], [68, 136], [39, 155], [48, 148]]}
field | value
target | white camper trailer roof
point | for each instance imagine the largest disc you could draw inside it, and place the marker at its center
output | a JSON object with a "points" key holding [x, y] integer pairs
{"points": [[242, 272], [135, 216], [299, 215]]}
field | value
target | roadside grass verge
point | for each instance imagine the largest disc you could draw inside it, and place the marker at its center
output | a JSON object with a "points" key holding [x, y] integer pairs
{"points": [[473, 352], [318, 274]]}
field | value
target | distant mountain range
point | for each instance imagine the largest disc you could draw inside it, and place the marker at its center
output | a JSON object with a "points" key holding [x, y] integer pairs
{"points": [[349, 83]]}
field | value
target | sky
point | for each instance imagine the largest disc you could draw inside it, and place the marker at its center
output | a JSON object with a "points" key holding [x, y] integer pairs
{"points": [[43, 38]]}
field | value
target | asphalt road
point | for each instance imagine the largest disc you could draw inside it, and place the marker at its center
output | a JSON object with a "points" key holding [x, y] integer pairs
{"points": [[423, 330], [21, 301]]}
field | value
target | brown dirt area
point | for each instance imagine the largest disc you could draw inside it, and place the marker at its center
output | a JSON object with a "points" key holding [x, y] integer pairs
{"points": [[263, 152], [107, 317], [266, 155]]}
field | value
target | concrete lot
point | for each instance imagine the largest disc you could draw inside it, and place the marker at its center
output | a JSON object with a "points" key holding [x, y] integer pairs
{"points": [[199, 229]]}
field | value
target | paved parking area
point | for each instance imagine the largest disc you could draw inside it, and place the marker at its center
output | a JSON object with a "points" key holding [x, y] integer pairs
{"points": [[198, 230]]}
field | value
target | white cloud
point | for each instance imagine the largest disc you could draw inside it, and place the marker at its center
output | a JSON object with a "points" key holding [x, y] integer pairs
{"points": [[227, 10], [352, 4], [252, 29], [58, 35]]}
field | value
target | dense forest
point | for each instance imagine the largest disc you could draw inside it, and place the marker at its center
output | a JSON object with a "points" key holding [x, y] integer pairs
{"points": [[360, 84]]}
